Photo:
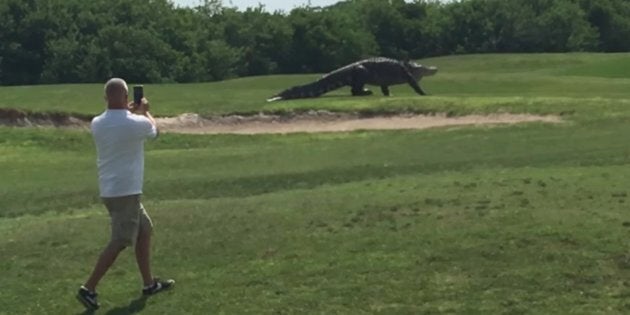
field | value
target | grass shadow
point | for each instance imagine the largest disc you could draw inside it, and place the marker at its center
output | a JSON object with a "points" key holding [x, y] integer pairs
{"points": [[134, 307]]}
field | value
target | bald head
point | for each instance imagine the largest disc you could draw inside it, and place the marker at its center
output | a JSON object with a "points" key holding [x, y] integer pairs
{"points": [[116, 92]]}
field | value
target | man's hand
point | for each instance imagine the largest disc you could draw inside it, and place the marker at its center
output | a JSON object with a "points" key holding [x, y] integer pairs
{"points": [[143, 107], [140, 109], [131, 106]]}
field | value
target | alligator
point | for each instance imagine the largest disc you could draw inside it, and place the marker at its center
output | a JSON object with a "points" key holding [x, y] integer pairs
{"points": [[379, 71]]}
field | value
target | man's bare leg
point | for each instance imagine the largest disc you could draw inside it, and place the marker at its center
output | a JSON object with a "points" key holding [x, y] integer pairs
{"points": [[105, 261], [143, 256]]}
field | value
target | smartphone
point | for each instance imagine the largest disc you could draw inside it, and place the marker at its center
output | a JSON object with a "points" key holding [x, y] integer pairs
{"points": [[138, 94]]}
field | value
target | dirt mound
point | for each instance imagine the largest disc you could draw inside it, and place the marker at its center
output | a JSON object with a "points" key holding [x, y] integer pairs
{"points": [[20, 118], [309, 122], [332, 122]]}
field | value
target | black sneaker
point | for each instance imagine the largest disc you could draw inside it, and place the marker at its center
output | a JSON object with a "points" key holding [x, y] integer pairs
{"points": [[88, 298], [158, 286]]}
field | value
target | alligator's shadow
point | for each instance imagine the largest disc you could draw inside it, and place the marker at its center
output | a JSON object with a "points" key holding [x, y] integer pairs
{"points": [[342, 96]]}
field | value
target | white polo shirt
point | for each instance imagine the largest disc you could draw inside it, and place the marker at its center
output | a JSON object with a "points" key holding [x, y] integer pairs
{"points": [[119, 137]]}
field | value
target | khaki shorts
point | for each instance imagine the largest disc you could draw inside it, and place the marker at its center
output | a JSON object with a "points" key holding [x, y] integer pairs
{"points": [[128, 218]]}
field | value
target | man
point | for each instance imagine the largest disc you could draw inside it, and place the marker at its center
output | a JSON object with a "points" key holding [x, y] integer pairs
{"points": [[119, 134]]}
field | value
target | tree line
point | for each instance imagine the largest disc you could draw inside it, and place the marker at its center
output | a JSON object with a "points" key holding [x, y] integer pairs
{"points": [[153, 41]]}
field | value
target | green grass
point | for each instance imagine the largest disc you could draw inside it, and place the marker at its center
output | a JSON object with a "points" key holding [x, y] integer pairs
{"points": [[477, 79], [526, 219]]}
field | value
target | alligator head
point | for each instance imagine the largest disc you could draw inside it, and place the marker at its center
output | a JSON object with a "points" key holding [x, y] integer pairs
{"points": [[418, 71]]}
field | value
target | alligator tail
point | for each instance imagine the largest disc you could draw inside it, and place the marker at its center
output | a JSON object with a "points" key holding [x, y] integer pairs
{"points": [[315, 89]]}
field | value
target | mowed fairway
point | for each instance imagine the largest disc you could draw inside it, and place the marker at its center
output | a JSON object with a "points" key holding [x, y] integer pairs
{"points": [[525, 219]]}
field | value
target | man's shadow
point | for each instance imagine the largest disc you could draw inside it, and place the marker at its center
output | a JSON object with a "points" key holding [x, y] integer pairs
{"points": [[134, 306]]}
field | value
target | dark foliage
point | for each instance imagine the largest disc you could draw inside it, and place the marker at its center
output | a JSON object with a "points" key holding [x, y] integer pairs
{"points": [[69, 41]]}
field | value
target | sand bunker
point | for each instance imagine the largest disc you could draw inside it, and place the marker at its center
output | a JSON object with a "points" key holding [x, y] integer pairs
{"points": [[309, 122], [332, 122]]}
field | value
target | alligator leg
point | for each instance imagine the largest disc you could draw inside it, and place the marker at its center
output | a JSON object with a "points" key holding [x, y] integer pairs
{"points": [[416, 87], [385, 90], [359, 77], [413, 83]]}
